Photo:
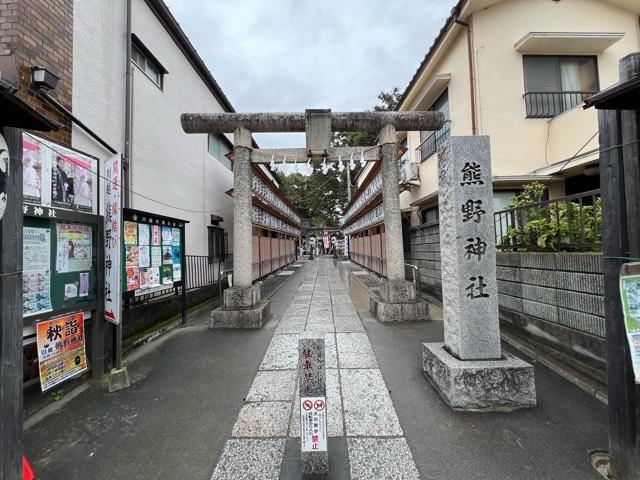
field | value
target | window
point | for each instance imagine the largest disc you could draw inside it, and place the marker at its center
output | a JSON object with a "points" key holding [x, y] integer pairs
{"points": [[440, 105], [554, 84], [430, 141], [217, 243], [146, 62], [219, 146], [430, 215]]}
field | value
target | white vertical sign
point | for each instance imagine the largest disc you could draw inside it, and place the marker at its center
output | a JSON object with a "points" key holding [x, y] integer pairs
{"points": [[4, 175], [313, 424], [113, 239]]}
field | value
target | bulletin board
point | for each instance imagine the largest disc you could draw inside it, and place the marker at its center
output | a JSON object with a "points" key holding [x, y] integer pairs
{"points": [[60, 258], [153, 248]]}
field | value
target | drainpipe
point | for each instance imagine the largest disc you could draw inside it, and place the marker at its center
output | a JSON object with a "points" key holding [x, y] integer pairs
{"points": [[472, 88], [126, 170]]}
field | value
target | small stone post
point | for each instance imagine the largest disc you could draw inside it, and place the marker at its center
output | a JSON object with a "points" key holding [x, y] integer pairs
{"points": [[314, 455], [469, 369]]}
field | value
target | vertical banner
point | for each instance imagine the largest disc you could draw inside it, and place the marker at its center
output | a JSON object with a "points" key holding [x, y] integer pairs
{"points": [[61, 349], [113, 240], [4, 175]]}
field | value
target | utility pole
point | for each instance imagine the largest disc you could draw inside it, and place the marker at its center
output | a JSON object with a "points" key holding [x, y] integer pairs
{"points": [[11, 446], [348, 184], [620, 185]]}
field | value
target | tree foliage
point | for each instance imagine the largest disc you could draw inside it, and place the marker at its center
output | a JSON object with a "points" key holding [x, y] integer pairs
{"points": [[320, 197]]}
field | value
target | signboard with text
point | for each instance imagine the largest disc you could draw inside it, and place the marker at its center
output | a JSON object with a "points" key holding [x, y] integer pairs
{"points": [[630, 294], [61, 349], [113, 239]]}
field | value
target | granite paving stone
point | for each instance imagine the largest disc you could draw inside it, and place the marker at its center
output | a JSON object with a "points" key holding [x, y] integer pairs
{"points": [[282, 353], [355, 351], [263, 419], [368, 409], [388, 458], [258, 459], [272, 385]]}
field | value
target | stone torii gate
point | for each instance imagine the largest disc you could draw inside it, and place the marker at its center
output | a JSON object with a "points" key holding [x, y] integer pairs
{"points": [[242, 306]]}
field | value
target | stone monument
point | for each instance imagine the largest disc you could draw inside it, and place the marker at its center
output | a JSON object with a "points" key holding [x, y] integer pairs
{"points": [[469, 369], [314, 455]]}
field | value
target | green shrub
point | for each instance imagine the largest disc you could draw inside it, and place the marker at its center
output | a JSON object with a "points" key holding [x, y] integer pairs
{"points": [[551, 227]]}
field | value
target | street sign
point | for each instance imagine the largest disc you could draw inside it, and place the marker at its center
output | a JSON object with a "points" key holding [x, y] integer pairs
{"points": [[313, 424]]}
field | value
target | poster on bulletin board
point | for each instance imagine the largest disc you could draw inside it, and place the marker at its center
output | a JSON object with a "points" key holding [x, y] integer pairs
{"points": [[153, 250]]}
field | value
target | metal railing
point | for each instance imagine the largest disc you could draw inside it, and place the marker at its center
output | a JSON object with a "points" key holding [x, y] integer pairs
{"points": [[430, 144], [202, 271], [568, 223], [551, 104]]}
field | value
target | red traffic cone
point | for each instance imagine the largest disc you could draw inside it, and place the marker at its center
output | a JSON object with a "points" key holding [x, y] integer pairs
{"points": [[27, 471]]}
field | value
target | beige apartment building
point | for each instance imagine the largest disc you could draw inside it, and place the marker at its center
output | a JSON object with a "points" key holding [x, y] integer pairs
{"points": [[518, 71]]}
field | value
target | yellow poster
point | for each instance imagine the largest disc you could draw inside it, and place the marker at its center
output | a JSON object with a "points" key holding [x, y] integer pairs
{"points": [[130, 233], [61, 349]]}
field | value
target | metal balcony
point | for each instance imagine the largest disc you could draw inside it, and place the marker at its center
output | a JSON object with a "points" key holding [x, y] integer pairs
{"points": [[551, 104], [430, 144]]}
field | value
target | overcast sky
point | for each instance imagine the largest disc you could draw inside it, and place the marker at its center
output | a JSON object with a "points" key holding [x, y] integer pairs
{"points": [[288, 55]]}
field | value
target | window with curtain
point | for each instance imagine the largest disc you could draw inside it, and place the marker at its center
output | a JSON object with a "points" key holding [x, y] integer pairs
{"points": [[555, 83]]}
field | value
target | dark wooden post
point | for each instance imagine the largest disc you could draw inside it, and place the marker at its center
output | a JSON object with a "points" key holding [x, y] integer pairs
{"points": [[620, 185], [11, 315]]}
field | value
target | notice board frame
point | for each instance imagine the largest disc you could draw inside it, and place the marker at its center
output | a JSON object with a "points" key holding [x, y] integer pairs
{"points": [[140, 216]]}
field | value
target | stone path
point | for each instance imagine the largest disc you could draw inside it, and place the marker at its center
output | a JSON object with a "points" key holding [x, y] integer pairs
{"points": [[358, 401]]}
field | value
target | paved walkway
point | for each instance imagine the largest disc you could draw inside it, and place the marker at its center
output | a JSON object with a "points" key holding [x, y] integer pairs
{"points": [[219, 404], [359, 406]]}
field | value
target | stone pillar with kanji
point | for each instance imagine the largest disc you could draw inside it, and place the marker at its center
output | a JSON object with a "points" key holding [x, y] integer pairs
{"points": [[469, 368]]}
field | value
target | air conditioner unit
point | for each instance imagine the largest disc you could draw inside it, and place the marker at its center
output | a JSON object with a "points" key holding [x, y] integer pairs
{"points": [[409, 174]]}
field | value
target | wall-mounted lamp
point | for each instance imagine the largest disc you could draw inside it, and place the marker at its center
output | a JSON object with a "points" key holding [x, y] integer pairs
{"points": [[43, 78]]}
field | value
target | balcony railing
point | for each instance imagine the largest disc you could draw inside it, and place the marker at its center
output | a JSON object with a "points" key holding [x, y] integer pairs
{"points": [[572, 223], [551, 104], [430, 144]]}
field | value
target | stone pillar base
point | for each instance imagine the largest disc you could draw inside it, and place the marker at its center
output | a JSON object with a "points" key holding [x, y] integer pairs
{"points": [[118, 380], [241, 298], [397, 291], [415, 311], [242, 318], [479, 385]]}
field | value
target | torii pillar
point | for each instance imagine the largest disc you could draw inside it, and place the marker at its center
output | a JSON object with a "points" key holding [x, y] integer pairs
{"points": [[241, 304], [397, 300]]}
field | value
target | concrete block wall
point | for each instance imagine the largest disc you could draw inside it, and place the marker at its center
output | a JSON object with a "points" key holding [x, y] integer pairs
{"points": [[554, 301], [425, 254]]}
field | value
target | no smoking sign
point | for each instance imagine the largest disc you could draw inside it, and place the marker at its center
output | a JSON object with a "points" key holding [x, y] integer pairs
{"points": [[313, 424]]}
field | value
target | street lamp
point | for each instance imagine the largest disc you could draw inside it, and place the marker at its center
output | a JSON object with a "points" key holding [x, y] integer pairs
{"points": [[42, 78]]}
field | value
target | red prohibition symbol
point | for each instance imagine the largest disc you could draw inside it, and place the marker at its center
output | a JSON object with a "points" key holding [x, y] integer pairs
{"points": [[319, 405], [307, 405]]}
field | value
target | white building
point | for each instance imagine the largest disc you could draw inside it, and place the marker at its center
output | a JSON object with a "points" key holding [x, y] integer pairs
{"points": [[171, 173]]}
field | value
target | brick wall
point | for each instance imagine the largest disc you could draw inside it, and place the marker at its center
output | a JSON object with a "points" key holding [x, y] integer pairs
{"points": [[39, 33], [552, 300]]}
